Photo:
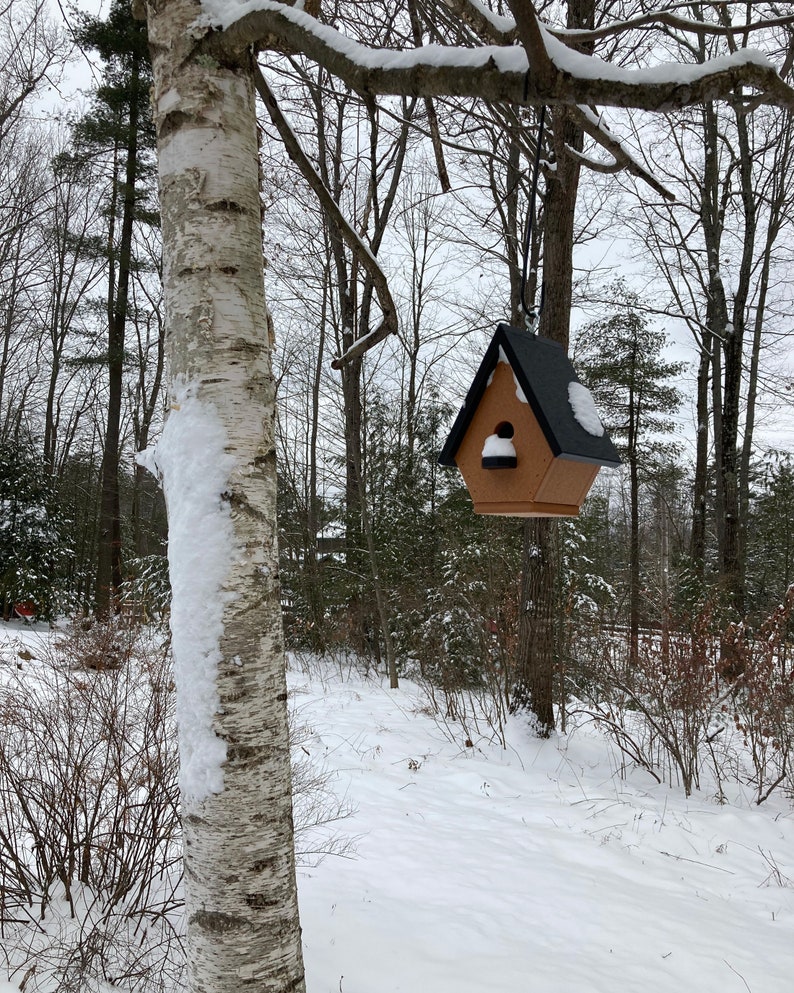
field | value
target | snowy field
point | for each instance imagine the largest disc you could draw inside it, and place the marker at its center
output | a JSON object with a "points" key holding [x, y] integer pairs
{"points": [[532, 869]]}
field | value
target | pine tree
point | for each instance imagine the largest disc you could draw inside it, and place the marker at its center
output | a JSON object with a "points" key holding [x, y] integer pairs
{"points": [[119, 126], [621, 360], [770, 537], [33, 549]]}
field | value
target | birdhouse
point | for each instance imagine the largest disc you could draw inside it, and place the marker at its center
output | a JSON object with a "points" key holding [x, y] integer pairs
{"points": [[528, 438]]}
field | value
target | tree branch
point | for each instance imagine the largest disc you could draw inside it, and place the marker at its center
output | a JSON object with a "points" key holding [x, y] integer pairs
{"points": [[542, 71], [361, 251], [493, 29], [497, 73], [592, 125], [488, 26], [670, 20], [430, 109]]}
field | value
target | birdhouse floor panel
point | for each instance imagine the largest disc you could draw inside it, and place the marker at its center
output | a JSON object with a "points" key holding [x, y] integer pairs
{"points": [[526, 508]]}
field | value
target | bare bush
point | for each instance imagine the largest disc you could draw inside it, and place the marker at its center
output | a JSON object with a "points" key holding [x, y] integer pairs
{"points": [[317, 807], [90, 839], [467, 678], [762, 704], [90, 859], [700, 700], [661, 710]]}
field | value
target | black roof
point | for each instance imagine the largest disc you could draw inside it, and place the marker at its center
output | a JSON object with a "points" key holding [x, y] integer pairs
{"points": [[543, 371]]}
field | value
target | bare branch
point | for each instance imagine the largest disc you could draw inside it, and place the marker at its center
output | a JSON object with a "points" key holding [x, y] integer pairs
{"points": [[430, 109], [492, 29], [592, 125], [669, 19], [362, 252]]}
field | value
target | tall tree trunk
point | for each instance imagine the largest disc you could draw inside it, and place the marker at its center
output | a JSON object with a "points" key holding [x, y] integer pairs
{"points": [[312, 577], [634, 533], [778, 198], [664, 576], [537, 656], [752, 398], [109, 569], [700, 485], [733, 564], [142, 496], [8, 329], [722, 341], [537, 649], [240, 891]]}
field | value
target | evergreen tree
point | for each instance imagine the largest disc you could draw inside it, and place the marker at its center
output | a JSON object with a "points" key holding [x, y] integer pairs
{"points": [[621, 360], [33, 550], [770, 538]]}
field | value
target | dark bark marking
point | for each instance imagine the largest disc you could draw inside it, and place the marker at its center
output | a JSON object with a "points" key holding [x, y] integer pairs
{"points": [[215, 922], [225, 206]]}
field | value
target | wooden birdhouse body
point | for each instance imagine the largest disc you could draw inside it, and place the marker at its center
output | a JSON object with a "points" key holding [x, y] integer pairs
{"points": [[519, 403]]}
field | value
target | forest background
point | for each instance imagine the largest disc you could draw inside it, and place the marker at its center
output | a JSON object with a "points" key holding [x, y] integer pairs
{"points": [[393, 235], [380, 550]]}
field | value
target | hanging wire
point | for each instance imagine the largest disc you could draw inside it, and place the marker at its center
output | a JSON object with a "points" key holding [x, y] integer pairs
{"points": [[532, 316]]}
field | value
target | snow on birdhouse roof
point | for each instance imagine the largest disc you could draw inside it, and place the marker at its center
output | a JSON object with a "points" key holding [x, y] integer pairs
{"points": [[543, 373]]}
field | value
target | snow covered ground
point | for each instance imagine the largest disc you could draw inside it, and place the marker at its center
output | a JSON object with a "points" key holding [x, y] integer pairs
{"points": [[536, 868], [531, 869]]}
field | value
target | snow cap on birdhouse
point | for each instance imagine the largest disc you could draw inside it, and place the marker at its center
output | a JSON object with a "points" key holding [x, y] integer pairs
{"points": [[528, 439]]}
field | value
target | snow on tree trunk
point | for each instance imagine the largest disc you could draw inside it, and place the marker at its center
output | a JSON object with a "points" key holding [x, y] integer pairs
{"points": [[218, 464]]}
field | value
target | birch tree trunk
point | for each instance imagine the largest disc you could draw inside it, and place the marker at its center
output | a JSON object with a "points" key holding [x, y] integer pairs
{"points": [[242, 914]]}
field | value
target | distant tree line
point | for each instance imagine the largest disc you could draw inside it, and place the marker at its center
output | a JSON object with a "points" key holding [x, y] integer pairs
{"points": [[81, 331]]}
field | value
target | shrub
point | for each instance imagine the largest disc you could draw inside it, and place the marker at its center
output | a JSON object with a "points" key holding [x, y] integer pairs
{"points": [[90, 836], [701, 699], [90, 860]]}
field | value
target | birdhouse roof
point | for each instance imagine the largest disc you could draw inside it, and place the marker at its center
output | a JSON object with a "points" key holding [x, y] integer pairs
{"points": [[543, 373]]}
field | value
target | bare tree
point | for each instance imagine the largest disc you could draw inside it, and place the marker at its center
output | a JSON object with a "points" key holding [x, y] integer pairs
{"points": [[32, 52], [719, 251], [22, 189], [71, 271]]}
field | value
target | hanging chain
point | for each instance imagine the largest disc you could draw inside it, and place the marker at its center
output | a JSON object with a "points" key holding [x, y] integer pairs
{"points": [[532, 317]]}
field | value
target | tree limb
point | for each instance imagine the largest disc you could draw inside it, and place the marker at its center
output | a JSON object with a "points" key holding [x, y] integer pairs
{"points": [[497, 73], [360, 249], [670, 20], [542, 71], [430, 110], [595, 127], [488, 26], [492, 29]]}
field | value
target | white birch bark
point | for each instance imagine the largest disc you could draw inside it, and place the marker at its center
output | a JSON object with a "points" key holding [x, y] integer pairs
{"points": [[242, 915]]}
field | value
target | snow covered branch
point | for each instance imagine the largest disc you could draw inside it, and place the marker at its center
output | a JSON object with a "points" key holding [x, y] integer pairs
{"points": [[488, 26], [496, 73], [622, 158]]}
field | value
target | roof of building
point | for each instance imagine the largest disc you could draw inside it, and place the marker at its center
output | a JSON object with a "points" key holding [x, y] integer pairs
{"points": [[543, 372]]}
